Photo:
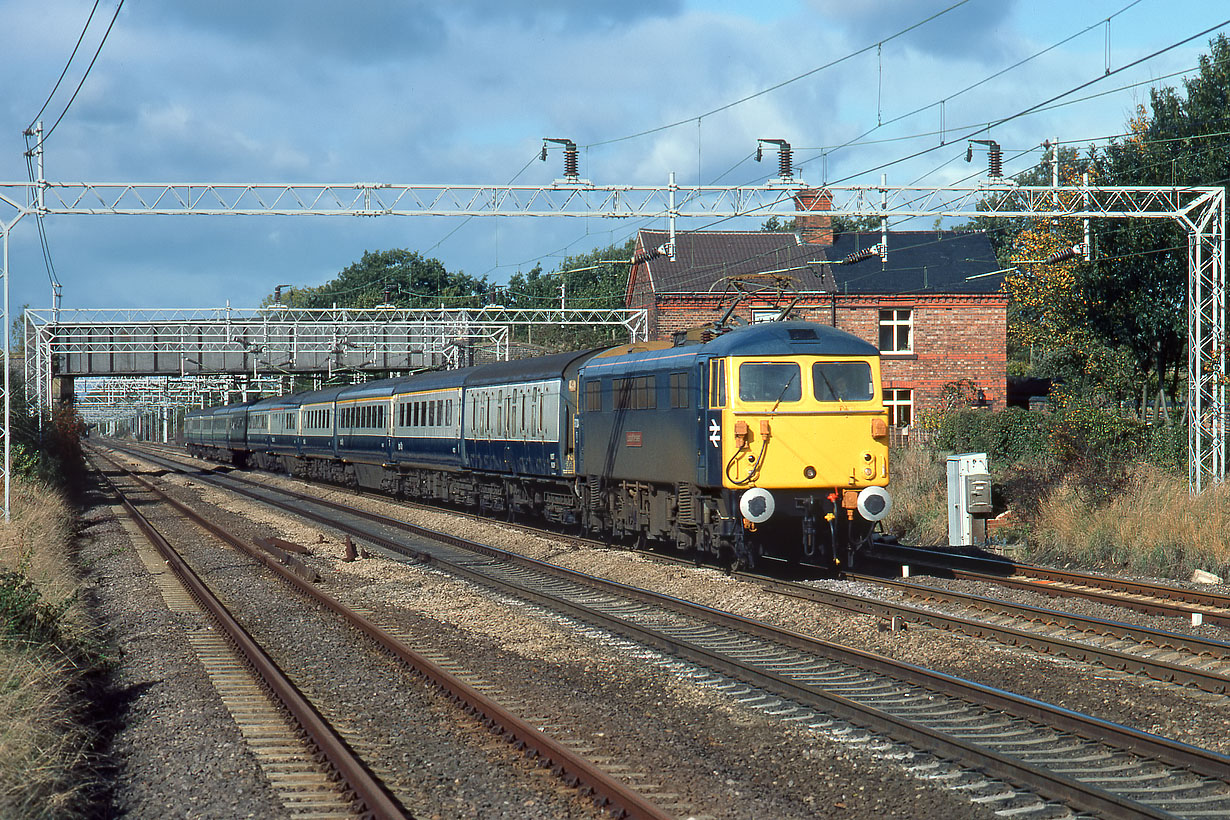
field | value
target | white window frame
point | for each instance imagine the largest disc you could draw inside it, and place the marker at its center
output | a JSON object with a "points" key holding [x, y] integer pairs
{"points": [[895, 321], [759, 315], [893, 401]]}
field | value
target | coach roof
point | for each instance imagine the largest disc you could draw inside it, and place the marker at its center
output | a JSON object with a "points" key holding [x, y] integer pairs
{"points": [[526, 370]]}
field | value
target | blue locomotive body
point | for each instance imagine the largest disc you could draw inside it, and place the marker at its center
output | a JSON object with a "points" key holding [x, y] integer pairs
{"points": [[687, 443]]}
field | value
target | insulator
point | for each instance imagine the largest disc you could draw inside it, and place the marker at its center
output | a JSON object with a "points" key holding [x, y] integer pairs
{"points": [[571, 165], [784, 169], [1066, 253], [996, 161]]}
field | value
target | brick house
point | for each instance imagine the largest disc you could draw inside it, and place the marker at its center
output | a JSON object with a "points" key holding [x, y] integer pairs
{"points": [[926, 303]]}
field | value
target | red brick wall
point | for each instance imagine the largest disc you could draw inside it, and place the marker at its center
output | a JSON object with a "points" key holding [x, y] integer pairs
{"points": [[956, 336]]}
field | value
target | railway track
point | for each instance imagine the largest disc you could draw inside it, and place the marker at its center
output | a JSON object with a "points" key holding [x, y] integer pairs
{"points": [[274, 715], [1162, 655], [1198, 606], [572, 767], [1090, 764]]}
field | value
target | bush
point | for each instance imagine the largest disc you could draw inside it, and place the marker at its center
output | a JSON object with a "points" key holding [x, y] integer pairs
{"points": [[23, 612], [1150, 523], [1007, 436]]}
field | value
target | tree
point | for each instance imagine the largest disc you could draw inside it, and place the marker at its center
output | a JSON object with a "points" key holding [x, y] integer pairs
{"points": [[840, 223], [598, 279], [397, 277], [1141, 273]]}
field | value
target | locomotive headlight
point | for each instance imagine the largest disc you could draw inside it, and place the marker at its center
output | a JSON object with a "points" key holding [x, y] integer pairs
{"points": [[874, 503], [757, 505]]}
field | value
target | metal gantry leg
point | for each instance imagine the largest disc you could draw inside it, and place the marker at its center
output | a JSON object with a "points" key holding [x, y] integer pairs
{"points": [[1206, 343]]}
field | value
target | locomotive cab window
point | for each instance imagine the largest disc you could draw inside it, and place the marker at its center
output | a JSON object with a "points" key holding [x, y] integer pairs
{"points": [[717, 383], [770, 381], [842, 381]]}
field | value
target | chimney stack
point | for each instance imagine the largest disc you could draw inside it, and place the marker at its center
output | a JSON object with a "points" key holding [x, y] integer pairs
{"points": [[813, 228]]}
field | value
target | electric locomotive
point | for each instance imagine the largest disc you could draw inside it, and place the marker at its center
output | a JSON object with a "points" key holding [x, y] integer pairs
{"points": [[769, 440]]}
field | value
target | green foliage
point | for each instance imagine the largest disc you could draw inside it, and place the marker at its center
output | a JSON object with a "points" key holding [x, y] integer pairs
{"points": [[47, 448], [839, 222], [1006, 436], [776, 224], [397, 277], [24, 614], [598, 279]]}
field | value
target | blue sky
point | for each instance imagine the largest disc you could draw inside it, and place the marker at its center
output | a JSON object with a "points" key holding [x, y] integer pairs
{"points": [[464, 92]]}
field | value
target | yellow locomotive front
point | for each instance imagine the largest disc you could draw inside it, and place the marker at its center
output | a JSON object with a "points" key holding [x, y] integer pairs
{"points": [[804, 450]]}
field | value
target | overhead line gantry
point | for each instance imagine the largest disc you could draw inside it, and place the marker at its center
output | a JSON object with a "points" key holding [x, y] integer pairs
{"points": [[1200, 210]]}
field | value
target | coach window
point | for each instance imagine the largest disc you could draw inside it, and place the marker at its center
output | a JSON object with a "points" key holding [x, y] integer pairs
{"points": [[770, 381], [593, 396], [679, 390]]}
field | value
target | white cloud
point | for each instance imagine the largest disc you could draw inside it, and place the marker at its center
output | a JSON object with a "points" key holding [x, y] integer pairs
{"points": [[464, 92]]}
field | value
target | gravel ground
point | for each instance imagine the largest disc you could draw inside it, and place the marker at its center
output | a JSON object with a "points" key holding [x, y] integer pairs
{"points": [[173, 749], [725, 760], [438, 761], [1196, 717], [702, 739]]}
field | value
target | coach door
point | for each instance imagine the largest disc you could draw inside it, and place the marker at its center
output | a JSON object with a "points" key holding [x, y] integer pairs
{"points": [[710, 402]]}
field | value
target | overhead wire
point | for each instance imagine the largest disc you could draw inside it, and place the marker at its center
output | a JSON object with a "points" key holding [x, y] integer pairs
{"points": [[784, 83], [1033, 108], [67, 64], [88, 68], [986, 79], [1048, 104]]}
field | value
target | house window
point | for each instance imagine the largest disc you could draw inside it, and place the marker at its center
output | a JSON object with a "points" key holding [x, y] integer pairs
{"points": [[900, 406], [896, 331], [765, 314]]}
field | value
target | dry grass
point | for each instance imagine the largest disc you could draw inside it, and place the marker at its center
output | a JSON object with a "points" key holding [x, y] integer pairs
{"points": [[1153, 526], [1148, 524], [919, 488], [43, 744]]}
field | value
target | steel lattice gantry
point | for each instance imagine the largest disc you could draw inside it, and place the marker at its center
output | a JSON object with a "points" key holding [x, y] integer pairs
{"points": [[1200, 210], [148, 405], [281, 339]]}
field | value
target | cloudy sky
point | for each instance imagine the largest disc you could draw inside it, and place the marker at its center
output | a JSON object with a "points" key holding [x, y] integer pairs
{"points": [[464, 93]]}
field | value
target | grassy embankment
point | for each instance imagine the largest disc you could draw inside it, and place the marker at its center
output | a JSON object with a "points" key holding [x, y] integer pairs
{"points": [[49, 660], [45, 662], [1139, 518]]}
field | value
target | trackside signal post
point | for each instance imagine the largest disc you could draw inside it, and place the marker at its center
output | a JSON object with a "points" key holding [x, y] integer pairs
{"points": [[1201, 211]]}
